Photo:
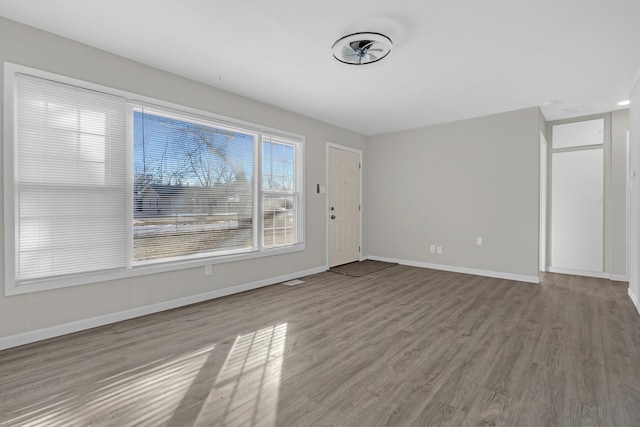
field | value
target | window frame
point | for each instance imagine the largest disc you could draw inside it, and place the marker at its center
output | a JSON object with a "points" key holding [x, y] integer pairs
{"points": [[295, 192], [135, 269]]}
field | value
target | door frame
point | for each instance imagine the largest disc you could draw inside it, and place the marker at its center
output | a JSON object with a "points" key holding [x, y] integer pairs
{"points": [[542, 227], [606, 176], [332, 145]]}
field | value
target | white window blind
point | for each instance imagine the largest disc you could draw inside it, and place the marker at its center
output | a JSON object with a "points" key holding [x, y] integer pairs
{"points": [[193, 186], [70, 161]]}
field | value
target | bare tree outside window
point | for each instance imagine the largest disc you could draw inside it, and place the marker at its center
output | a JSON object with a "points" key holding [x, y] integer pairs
{"points": [[193, 188]]}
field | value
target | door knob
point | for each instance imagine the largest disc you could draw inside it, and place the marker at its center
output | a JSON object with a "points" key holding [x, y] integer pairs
{"points": [[333, 217]]}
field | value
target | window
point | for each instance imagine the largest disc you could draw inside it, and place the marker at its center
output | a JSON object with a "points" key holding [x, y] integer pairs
{"points": [[107, 186], [198, 178], [279, 197]]}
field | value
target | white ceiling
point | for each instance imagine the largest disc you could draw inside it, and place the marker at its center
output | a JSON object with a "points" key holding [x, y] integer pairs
{"points": [[451, 59]]}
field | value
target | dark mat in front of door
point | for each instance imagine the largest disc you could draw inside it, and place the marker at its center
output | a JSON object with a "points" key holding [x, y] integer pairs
{"points": [[361, 268]]}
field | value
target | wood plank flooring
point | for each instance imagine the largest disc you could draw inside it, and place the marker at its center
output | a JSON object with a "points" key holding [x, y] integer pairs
{"points": [[400, 347]]}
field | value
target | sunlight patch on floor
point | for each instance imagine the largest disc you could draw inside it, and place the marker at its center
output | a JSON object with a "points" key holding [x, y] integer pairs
{"points": [[247, 387], [146, 395]]}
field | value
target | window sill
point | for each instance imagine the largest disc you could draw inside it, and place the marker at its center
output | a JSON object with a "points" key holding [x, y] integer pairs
{"points": [[140, 270]]}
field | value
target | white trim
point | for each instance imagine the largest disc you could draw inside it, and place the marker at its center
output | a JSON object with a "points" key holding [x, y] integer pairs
{"points": [[465, 270], [81, 325], [130, 179], [10, 206], [619, 277], [328, 189], [634, 300], [542, 219], [596, 274], [627, 210]]}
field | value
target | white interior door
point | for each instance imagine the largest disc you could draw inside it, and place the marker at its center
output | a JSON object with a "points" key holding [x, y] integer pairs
{"points": [[577, 211], [577, 198], [344, 206]]}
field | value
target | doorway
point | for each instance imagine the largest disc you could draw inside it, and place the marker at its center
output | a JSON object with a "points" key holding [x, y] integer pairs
{"points": [[577, 198], [344, 174]]}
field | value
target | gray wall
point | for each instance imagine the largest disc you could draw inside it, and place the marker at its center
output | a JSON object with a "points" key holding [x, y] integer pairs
{"points": [[458, 181], [634, 256], [21, 313]]}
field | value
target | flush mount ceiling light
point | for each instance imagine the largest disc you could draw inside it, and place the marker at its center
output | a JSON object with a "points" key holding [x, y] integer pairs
{"points": [[624, 102], [362, 48]]}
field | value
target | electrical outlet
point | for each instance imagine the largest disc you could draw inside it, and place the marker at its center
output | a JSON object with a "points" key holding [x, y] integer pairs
{"points": [[208, 269], [439, 250], [479, 241], [432, 249]]}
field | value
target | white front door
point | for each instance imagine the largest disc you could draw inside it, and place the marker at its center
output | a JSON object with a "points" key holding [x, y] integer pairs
{"points": [[344, 206]]}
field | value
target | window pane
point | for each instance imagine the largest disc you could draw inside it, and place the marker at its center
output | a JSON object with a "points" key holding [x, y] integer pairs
{"points": [[193, 191], [279, 220], [277, 166]]}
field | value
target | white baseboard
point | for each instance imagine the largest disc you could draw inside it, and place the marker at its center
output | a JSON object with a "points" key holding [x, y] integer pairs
{"points": [[619, 278], [80, 325], [477, 272], [634, 300], [579, 272]]}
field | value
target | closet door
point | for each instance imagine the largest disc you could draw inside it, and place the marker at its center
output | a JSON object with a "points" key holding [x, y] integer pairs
{"points": [[577, 197]]}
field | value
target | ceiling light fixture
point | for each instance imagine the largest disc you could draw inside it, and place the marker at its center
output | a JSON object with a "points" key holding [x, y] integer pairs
{"points": [[624, 102], [361, 48]]}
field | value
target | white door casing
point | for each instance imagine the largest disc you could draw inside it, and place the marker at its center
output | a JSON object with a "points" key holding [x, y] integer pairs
{"points": [[344, 206], [543, 203], [578, 154]]}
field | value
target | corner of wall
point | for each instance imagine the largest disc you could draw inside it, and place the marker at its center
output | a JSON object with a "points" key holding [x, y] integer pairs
{"points": [[634, 147]]}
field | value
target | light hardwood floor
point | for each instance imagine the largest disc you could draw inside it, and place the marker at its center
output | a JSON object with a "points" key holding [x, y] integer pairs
{"points": [[403, 346]]}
